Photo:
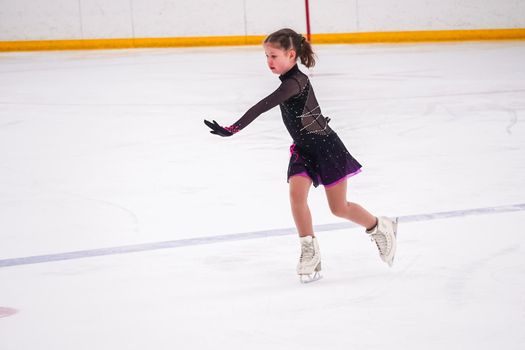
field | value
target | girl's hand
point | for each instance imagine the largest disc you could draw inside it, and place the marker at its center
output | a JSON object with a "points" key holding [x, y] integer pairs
{"points": [[219, 130]]}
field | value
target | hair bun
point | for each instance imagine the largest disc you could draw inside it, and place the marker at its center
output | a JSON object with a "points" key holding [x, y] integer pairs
{"points": [[301, 38]]}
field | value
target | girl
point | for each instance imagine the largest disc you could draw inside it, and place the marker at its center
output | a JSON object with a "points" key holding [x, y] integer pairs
{"points": [[318, 156]]}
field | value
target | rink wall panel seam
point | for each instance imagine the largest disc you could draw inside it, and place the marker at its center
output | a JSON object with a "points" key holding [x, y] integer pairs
{"points": [[207, 41]]}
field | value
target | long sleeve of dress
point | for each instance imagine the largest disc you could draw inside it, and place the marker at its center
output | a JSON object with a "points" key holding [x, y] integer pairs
{"points": [[287, 89]]}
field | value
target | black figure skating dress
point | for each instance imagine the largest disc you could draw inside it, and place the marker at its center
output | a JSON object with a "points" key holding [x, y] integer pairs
{"points": [[317, 151]]}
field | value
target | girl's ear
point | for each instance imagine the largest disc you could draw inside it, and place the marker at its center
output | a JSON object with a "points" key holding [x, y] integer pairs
{"points": [[293, 54]]}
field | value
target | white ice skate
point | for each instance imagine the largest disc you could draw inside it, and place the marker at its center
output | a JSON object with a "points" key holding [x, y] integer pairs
{"points": [[385, 237], [309, 266]]}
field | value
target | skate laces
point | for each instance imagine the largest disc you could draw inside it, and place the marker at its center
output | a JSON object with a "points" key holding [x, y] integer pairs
{"points": [[307, 251], [381, 241]]}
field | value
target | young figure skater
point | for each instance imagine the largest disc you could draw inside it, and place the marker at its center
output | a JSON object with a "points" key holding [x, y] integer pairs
{"points": [[318, 156]]}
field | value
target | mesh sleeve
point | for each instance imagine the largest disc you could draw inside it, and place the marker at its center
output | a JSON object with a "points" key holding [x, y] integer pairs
{"points": [[287, 89]]}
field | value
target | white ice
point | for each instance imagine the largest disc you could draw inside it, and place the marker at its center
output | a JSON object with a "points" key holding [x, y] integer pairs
{"points": [[107, 149]]}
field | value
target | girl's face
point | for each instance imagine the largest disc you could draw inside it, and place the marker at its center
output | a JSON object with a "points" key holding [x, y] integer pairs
{"points": [[279, 61]]}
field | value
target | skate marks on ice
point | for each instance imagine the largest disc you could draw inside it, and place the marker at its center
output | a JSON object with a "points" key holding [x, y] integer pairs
{"points": [[243, 236], [7, 311]]}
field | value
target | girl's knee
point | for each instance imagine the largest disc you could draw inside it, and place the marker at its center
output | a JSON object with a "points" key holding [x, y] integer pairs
{"points": [[339, 210]]}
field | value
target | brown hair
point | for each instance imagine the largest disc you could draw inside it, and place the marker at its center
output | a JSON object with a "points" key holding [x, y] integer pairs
{"points": [[287, 39]]}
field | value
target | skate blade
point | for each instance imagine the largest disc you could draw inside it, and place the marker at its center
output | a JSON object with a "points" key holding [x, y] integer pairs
{"points": [[310, 278], [396, 221], [391, 262]]}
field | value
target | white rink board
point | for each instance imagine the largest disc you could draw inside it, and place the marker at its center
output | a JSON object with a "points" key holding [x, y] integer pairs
{"points": [[97, 19]]}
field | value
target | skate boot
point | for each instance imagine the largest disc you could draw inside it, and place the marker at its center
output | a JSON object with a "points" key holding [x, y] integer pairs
{"points": [[309, 266], [385, 236]]}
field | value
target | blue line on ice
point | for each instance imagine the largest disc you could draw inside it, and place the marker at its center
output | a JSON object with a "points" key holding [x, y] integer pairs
{"points": [[241, 236]]}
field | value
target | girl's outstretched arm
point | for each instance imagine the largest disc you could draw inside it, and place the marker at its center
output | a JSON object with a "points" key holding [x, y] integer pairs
{"points": [[287, 89]]}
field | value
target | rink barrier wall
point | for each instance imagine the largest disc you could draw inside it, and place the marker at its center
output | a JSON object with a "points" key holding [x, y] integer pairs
{"points": [[82, 254], [338, 38]]}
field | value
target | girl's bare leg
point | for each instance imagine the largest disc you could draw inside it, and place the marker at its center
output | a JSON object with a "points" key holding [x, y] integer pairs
{"points": [[342, 208], [299, 188]]}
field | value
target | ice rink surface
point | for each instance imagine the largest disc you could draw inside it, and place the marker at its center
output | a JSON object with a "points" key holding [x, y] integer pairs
{"points": [[107, 149]]}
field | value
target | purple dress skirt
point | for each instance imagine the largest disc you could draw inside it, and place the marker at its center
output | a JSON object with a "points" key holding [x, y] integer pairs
{"points": [[326, 162]]}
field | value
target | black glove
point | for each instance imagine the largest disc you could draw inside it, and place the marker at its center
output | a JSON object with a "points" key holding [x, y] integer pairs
{"points": [[217, 129]]}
